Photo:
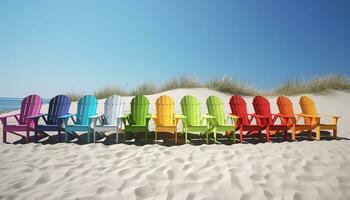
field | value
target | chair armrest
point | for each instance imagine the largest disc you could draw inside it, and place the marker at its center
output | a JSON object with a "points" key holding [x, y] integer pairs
{"points": [[328, 115], [259, 116], [232, 116], [310, 116], [95, 116], [148, 116], [35, 116], [284, 116], [154, 116], [178, 116], [8, 116], [66, 116], [207, 116]]}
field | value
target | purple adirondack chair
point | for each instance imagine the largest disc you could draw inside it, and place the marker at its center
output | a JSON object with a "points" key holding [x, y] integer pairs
{"points": [[30, 107]]}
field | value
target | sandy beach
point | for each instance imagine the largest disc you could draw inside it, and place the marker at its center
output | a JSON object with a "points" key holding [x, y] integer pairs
{"points": [[276, 170]]}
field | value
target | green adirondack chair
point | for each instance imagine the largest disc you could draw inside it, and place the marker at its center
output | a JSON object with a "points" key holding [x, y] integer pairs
{"points": [[194, 121], [220, 122], [137, 120]]}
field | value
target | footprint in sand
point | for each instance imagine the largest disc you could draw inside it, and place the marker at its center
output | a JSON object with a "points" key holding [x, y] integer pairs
{"points": [[145, 191], [44, 178]]}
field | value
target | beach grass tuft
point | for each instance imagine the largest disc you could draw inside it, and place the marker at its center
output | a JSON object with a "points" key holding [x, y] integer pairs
{"points": [[74, 96], [185, 81], [109, 91], [148, 87], [228, 85], [317, 85]]}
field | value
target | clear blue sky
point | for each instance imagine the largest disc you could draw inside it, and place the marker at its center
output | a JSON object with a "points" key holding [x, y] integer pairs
{"points": [[51, 47]]}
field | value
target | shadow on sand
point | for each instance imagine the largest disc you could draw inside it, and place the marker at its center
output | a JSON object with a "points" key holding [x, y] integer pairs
{"points": [[167, 139]]}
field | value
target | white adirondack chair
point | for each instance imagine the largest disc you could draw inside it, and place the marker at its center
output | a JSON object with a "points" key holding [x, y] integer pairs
{"points": [[110, 121]]}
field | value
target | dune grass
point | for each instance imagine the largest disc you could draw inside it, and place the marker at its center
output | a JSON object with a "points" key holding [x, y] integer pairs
{"points": [[74, 96], [109, 91], [317, 85], [229, 85]]}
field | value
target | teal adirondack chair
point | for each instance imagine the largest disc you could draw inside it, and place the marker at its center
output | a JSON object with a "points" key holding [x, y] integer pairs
{"points": [[86, 111], [137, 120], [220, 122], [194, 121]]}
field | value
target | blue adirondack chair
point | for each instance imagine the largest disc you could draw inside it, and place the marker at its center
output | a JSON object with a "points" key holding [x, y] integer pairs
{"points": [[86, 111], [58, 106]]}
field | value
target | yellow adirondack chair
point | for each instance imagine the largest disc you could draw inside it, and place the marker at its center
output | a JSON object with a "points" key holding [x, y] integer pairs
{"points": [[308, 108], [166, 120]]}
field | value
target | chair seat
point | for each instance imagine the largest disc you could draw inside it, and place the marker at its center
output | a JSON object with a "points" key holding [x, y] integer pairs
{"points": [[226, 128], [77, 128], [106, 128], [166, 128], [48, 128], [16, 128], [198, 128]]}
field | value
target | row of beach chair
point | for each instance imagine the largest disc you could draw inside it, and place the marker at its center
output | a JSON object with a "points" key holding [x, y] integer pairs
{"points": [[207, 125]]}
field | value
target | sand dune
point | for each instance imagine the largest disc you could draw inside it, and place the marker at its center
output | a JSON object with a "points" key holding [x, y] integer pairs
{"points": [[276, 170]]}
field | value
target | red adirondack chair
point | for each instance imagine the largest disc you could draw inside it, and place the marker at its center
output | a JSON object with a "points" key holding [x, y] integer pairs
{"points": [[30, 107], [245, 120], [262, 107]]}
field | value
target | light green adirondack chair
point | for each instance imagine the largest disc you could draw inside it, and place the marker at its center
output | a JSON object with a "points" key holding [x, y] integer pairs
{"points": [[137, 120], [194, 121], [220, 122]]}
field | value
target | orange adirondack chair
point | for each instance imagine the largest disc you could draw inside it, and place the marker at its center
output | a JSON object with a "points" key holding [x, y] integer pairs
{"points": [[309, 110], [166, 120], [291, 119]]}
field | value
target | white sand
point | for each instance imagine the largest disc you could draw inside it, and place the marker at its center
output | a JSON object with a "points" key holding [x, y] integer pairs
{"points": [[287, 170]]}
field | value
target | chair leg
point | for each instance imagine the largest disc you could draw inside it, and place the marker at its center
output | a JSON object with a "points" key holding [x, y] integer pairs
{"points": [[28, 135], [89, 137], [309, 135], [175, 133], [260, 136], [318, 133], [233, 137], [241, 135], [186, 137], [155, 137], [334, 133], [59, 135], [146, 137], [293, 134], [215, 136], [66, 137], [4, 137], [268, 135], [207, 138], [117, 135], [94, 136]]}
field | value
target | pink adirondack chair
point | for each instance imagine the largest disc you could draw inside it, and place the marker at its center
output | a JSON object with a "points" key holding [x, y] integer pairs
{"points": [[30, 107]]}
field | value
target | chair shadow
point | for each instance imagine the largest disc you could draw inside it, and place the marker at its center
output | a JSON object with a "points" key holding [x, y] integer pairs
{"points": [[167, 139]]}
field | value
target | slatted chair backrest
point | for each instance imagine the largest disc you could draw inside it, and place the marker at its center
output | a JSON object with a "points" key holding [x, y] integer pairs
{"points": [[308, 107], [215, 108], [139, 109], [87, 106], [58, 106], [262, 107], [165, 111], [239, 108], [285, 107], [114, 107], [191, 109], [30, 106]]}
